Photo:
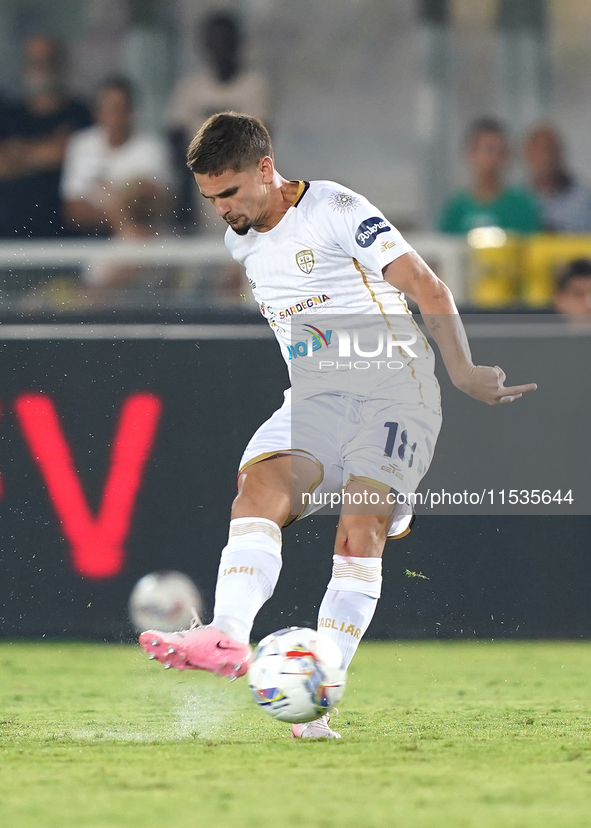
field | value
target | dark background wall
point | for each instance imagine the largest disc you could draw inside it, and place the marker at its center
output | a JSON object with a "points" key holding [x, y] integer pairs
{"points": [[505, 575]]}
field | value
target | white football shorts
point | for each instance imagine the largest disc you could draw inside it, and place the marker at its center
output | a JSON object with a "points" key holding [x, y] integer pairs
{"points": [[385, 445]]}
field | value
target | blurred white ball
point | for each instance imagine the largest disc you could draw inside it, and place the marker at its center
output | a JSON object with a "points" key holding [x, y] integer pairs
{"points": [[164, 601]]}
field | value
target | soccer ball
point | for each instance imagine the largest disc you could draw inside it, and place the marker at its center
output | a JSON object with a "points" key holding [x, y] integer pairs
{"points": [[296, 674], [164, 601]]}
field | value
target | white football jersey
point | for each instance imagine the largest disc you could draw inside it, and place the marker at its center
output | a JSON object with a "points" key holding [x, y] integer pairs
{"points": [[325, 257]]}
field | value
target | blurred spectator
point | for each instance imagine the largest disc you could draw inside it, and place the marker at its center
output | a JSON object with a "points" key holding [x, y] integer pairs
{"points": [[143, 212], [33, 136], [572, 295], [565, 203], [101, 161], [226, 85], [489, 201]]}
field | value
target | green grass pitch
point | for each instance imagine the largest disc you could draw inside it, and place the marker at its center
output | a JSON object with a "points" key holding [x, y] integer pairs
{"points": [[435, 735]]}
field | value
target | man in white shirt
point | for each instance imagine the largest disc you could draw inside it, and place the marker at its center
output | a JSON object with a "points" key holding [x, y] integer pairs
{"points": [[330, 273], [103, 161]]}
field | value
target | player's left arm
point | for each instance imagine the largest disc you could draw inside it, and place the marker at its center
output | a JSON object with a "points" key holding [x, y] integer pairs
{"points": [[411, 275]]}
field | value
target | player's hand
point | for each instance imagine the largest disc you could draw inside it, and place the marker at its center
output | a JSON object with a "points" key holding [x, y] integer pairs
{"points": [[486, 384]]}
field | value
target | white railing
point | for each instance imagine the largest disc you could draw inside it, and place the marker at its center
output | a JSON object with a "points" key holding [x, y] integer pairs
{"points": [[448, 256], [72, 253]]}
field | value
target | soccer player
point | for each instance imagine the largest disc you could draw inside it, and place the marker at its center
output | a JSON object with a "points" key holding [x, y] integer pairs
{"points": [[313, 251]]}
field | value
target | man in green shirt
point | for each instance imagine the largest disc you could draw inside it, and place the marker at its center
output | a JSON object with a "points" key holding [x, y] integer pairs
{"points": [[488, 201]]}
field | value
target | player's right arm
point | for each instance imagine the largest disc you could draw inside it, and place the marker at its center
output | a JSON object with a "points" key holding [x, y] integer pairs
{"points": [[411, 275]]}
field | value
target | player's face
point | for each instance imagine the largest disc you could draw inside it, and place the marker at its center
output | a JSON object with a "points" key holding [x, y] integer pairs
{"points": [[240, 198]]}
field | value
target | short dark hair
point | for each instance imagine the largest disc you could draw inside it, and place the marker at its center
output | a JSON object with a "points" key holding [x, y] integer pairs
{"points": [[574, 269], [484, 124], [228, 141], [121, 84]]}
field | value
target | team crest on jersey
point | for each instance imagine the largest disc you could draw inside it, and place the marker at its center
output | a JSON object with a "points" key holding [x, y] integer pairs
{"points": [[305, 260]]}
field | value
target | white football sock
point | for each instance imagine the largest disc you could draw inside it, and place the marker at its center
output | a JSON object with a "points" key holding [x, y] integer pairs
{"points": [[350, 601], [249, 569]]}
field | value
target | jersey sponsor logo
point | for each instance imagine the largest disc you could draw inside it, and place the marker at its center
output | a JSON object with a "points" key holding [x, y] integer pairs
{"points": [[270, 316], [305, 260], [317, 339], [386, 245], [367, 231], [304, 305]]}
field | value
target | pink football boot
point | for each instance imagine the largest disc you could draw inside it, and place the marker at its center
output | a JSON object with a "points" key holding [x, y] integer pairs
{"points": [[200, 648], [318, 729]]}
